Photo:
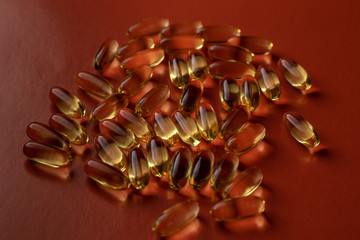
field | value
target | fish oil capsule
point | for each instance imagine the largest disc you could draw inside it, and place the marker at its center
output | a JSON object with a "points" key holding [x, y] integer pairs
{"points": [[186, 128], [69, 128], [41, 133], [106, 175], [250, 135], [151, 57], [181, 43], [201, 169], [138, 168], [138, 125], [224, 172], [179, 73], [133, 46], [46, 155], [197, 65], [180, 168], [301, 129], [136, 80], [109, 152], [165, 128], [234, 121], [182, 28], [206, 121], [294, 73], [148, 26], [152, 100], [94, 85], [123, 137], [218, 33], [227, 52], [229, 93], [244, 184], [157, 156], [108, 108], [105, 54], [66, 102], [235, 70], [176, 218], [257, 45], [249, 92], [191, 96], [237, 208], [268, 82]]}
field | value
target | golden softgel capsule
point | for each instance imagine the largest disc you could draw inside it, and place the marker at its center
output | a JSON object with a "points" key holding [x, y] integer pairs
{"points": [[224, 172], [294, 73], [133, 46], [122, 136], [151, 57], [165, 128], [186, 128], [105, 54], [257, 45], [178, 71], [109, 107], [201, 169], [66, 102], [227, 52], [235, 70], [180, 168], [234, 121], [191, 96], [229, 93], [218, 33], [152, 100], [182, 28], [206, 121], [94, 85], [197, 65], [301, 129], [109, 152], [249, 92], [157, 156], [176, 218], [181, 43], [268, 82], [148, 26], [136, 80], [138, 168]]}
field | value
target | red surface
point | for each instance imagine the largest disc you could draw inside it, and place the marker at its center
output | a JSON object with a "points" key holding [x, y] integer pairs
{"points": [[45, 43]]}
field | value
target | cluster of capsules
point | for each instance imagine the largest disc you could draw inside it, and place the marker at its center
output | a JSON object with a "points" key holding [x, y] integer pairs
{"points": [[133, 142]]}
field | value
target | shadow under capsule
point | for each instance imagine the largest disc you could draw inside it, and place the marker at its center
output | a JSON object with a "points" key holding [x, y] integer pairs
{"points": [[191, 231], [257, 154], [247, 225], [39, 170], [113, 71]]}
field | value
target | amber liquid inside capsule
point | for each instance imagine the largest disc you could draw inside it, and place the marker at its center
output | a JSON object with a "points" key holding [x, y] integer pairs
{"points": [[148, 26], [218, 33], [151, 57], [250, 135], [138, 168], [197, 65], [234, 121], [182, 28], [179, 73], [249, 92], [230, 53], [133, 46], [123, 137], [301, 130], [229, 93], [206, 121], [108, 108], [94, 85], [186, 128], [201, 169], [105, 54], [165, 129], [69, 128], [294, 73], [181, 43], [157, 156], [109, 152], [136, 80], [268, 82], [46, 155], [180, 168], [257, 45], [223, 172], [66, 102], [152, 100], [176, 218], [231, 69], [237, 208], [106, 176], [191, 96]]}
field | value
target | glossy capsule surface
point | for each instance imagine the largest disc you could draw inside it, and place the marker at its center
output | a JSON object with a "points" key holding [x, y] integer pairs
{"points": [[224, 172], [176, 218], [301, 129], [227, 52], [105, 54], [108, 108], [106, 175], [249, 92], [191, 96], [250, 135], [178, 71], [123, 137], [148, 26], [109, 152], [197, 65], [268, 82], [294, 73], [165, 128], [152, 100], [257, 45], [46, 155], [157, 156], [66, 102], [182, 28], [180, 168], [94, 85], [235, 70], [229, 93], [136, 80], [218, 33], [237, 208], [201, 169], [206, 121], [186, 127], [234, 121], [181, 43], [151, 57], [133, 46], [69, 128], [138, 168]]}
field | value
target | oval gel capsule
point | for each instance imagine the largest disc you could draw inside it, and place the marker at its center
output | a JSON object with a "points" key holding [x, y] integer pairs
{"points": [[229, 93], [249, 92], [105, 54], [122, 136], [136, 80], [180, 168], [66, 102], [227, 52], [178, 71], [109, 107], [197, 65], [181, 43], [191, 96], [186, 128], [151, 57], [224, 172], [165, 128], [268, 82], [294, 73], [201, 169], [206, 121], [152, 100], [182, 28], [109, 152], [94, 85], [234, 121], [157, 156], [218, 33], [148, 26], [133, 46], [257, 45], [138, 168], [235, 70]]}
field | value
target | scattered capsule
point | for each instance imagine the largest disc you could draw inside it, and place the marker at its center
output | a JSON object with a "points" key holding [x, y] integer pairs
{"points": [[41, 133], [136, 80], [186, 128], [301, 129], [94, 85], [138, 168], [151, 57], [176, 218], [229, 93], [234, 121], [133, 46], [218, 33], [152, 100], [224, 172], [294, 73], [148, 26], [123, 137], [201, 169], [206, 121], [235, 70], [250, 135], [66, 102], [108, 108], [106, 175], [180, 168], [46, 155], [257, 45], [268, 82], [69, 128], [227, 52], [197, 65], [191, 96], [157, 156], [181, 43], [179, 73], [182, 28], [249, 92], [237, 208], [165, 128], [109, 152], [105, 54]]}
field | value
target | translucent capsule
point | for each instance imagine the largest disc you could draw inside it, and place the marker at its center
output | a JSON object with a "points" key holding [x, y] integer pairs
{"points": [[66, 102], [133, 46], [244, 184], [201, 169], [148, 26], [138, 168], [138, 125], [234, 121], [41, 133], [176, 218], [136, 80], [186, 128], [257, 45], [152, 100], [268, 82], [249, 92], [69, 128], [165, 128], [191, 96], [206, 121], [224, 172], [151, 57], [157, 156], [94, 85], [46, 155], [178, 71], [218, 33], [235, 70], [301, 129], [250, 135], [123, 137], [106, 175], [180, 168], [109, 152], [237, 208], [229, 93], [197, 65], [182, 28], [108, 108], [227, 52], [294, 73], [181, 43], [105, 54]]}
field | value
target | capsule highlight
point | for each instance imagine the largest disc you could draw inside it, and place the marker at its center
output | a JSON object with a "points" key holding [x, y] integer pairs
{"points": [[165, 128], [229, 93], [206, 121], [269, 82], [197, 65], [136, 80], [235, 70], [201, 169], [109, 152], [178, 71], [218, 33], [294, 73], [138, 168], [249, 92], [152, 100], [157, 156], [257, 45], [186, 127], [180, 168], [148, 27], [234, 121], [133, 46], [108, 108], [191, 96], [227, 52], [224, 172], [94, 85], [151, 57], [123, 137], [181, 43], [182, 28], [105, 54], [66, 102]]}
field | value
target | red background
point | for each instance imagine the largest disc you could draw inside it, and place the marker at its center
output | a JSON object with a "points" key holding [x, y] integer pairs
{"points": [[44, 43]]}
